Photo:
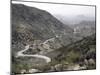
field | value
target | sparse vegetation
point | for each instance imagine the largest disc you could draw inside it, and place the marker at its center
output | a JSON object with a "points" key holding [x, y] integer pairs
{"points": [[48, 37]]}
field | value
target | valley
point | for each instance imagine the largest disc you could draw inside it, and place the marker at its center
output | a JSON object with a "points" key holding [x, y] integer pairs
{"points": [[42, 43]]}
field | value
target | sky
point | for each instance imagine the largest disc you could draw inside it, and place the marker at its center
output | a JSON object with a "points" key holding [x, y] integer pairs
{"points": [[65, 9]]}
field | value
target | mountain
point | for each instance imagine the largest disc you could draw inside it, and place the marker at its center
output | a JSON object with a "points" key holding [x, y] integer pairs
{"points": [[40, 42], [84, 28], [73, 19], [30, 23]]}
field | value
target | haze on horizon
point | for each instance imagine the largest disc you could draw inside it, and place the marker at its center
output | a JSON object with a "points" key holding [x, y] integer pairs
{"points": [[65, 12]]}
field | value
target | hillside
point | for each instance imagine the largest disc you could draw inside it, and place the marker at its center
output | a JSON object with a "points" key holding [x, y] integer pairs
{"points": [[29, 24], [40, 42]]}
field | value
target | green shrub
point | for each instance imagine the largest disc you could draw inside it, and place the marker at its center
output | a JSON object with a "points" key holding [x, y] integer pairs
{"points": [[73, 57]]}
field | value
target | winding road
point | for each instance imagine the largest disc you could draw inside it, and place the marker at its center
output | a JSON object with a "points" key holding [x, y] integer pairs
{"points": [[47, 59], [20, 54]]}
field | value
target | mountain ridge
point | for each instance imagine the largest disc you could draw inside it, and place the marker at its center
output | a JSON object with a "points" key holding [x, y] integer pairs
{"points": [[29, 24]]}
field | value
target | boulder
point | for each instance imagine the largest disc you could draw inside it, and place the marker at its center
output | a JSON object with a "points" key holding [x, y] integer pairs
{"points": [[91, 61], [58, 67], [33, 70], [23, 71], [86, 62]]}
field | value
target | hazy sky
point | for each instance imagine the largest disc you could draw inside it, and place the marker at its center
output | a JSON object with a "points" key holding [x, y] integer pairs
{"points": [[63, 9]]}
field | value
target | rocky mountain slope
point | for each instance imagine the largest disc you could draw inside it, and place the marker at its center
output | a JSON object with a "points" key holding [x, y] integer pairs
{"points": [[84, 28], [80, 55], [29, 24], [45, 36]]}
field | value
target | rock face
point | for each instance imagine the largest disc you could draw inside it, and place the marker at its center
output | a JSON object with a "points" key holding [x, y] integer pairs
{"points": [[30, 24]]}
